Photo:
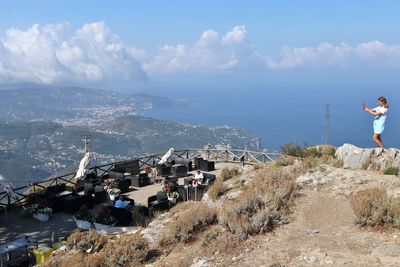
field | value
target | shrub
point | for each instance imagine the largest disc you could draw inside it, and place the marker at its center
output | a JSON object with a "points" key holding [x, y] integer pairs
{"points": [[129, 250], [257, 166], [370, 206], [260, 207], [86, 241], [217, 189], [393, 214], [218, 240], [210, 236], [293, 149], [189, 224], [284, 161], [391, 171], [296, 150], [227, 174], [132, 250]]}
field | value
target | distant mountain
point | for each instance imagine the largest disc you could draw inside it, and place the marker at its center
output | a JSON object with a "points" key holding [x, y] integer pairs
{"points": [[31, 151], [71, 105], [157, 135]]}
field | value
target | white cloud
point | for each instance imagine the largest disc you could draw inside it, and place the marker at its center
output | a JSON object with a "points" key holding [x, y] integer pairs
{"points": [[209, 54], [43, 54], [93, 53], [372, 54]]}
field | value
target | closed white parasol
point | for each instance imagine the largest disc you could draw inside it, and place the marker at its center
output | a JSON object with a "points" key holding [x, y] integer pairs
{"points": [[83, 166], [166, 157]]}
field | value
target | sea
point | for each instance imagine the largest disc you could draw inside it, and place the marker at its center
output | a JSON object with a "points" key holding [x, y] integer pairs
{"points": [[280, 115]]}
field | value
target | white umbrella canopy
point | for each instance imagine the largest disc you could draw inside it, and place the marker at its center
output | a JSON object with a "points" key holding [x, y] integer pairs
{"points": [[83, 165], [166, 157], [6, 186]]}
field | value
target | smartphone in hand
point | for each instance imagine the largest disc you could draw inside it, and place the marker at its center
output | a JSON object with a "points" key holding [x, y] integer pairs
{"points": [[363, 105]]}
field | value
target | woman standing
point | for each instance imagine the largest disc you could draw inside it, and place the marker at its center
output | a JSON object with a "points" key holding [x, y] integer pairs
{"points": [[380, 113]]}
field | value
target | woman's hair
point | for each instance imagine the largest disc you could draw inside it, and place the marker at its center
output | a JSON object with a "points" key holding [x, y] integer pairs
{"points": [[383, 100]]}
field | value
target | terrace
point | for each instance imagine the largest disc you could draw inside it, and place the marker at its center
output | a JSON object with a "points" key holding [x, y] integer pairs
{"points": [[65, 195]]}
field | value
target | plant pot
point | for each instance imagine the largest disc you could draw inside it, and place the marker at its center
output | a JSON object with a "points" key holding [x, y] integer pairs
{"points": [[100, 226], [85, 225], [41, 217], [111, 197], [172, 200]]}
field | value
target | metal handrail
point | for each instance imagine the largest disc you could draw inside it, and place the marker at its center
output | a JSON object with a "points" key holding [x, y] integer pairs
{"points": [[233, 155]]}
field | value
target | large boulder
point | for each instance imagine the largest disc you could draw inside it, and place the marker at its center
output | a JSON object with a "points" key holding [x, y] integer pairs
{"points": [[368, 158]]}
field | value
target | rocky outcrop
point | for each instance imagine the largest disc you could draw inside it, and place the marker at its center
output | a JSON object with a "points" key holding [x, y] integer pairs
{"points": [[368, 158]]}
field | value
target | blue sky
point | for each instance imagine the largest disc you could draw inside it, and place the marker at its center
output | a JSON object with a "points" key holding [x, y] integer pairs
{"points": [[145, 43]]}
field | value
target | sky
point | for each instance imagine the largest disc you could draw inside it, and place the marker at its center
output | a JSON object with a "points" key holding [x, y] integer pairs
{"points": [[142, 45]]}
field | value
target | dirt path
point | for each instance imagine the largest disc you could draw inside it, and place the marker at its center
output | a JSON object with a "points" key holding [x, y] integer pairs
{"points": [[323, 233]]}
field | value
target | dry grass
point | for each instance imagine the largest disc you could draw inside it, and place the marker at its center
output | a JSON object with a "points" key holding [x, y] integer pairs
{"points": [[393, 214], [227, 173], [217, 189], [181, 207], [285, 161], [127, 251], [75, 258], [372, 207], [216, 239], [86, 241], [189, 224], [261, 207], [130, 250]]}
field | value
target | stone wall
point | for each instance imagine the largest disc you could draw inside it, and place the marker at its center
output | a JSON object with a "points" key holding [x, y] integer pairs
{"points": [[368, 158]]}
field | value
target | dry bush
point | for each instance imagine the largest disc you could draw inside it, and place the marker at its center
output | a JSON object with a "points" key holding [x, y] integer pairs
{"points": [[258, 166], [189, 224], [393, 213], [85, 241], [261, 207], [130, 250], [77, 258], [217, 189], [182, 206], [285, 161], [370, 206], [211, 235], [216, 239], [227, 173]]}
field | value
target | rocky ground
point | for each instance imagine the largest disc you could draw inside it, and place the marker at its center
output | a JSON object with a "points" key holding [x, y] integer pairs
{"points": [[322, 231]]}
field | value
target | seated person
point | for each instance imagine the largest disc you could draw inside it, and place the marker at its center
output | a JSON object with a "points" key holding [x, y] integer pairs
{"points": [[121, 203], [198, 178]]}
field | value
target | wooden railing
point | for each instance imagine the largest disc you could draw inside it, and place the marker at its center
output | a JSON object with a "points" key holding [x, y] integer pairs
{"points": [[231, 155]]}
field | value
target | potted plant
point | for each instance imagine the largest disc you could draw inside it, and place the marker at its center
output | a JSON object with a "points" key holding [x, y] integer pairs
{"points": [[104, 219], [42, 214], [112, 190], [173, 197], [83, 218], [171, 194]]}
